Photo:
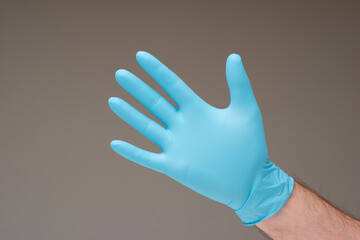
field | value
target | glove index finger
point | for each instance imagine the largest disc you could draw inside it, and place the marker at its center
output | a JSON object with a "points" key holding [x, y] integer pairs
{"points": [[168, 80]]}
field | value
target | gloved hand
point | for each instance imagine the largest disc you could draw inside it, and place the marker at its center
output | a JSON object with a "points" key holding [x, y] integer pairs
{"points": [[219, 153]]}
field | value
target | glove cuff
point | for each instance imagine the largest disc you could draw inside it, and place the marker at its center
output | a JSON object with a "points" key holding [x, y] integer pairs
{"points": [[268, 195]]}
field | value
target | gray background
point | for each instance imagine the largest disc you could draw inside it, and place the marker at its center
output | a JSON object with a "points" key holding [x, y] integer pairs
{"points": [[59, 179]]}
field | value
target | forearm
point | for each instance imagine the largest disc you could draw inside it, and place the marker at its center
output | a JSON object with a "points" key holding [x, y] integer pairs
{"points": [[308, 216]]}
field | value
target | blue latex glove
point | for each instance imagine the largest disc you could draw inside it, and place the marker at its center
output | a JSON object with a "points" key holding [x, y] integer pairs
{"points": [[219, 153]]}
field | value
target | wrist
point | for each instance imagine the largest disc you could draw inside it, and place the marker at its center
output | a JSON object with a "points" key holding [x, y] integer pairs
{"points": [[306, 215]]}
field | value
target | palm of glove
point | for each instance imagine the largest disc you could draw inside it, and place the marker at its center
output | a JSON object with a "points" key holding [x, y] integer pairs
{"points": [[215, 152]]}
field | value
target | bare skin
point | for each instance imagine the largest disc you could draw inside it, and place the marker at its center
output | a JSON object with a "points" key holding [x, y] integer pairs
{"points": [[308, 216]]}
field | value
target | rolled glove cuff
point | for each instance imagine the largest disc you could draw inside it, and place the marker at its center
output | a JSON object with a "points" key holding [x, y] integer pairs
{"points": [[268, 195]]}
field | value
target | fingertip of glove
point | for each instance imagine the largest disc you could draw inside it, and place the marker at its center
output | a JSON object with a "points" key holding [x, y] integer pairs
{"points": [[140, 55], [115, 143], [234, 56], [116, 103], [120, 73], [112, 100]]}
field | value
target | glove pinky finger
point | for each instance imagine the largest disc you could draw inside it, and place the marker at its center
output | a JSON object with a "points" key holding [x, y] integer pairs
{"points": [[154, 161]]}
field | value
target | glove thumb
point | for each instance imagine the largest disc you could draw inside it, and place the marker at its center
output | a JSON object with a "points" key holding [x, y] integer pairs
{"points": [[241, 94]]}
